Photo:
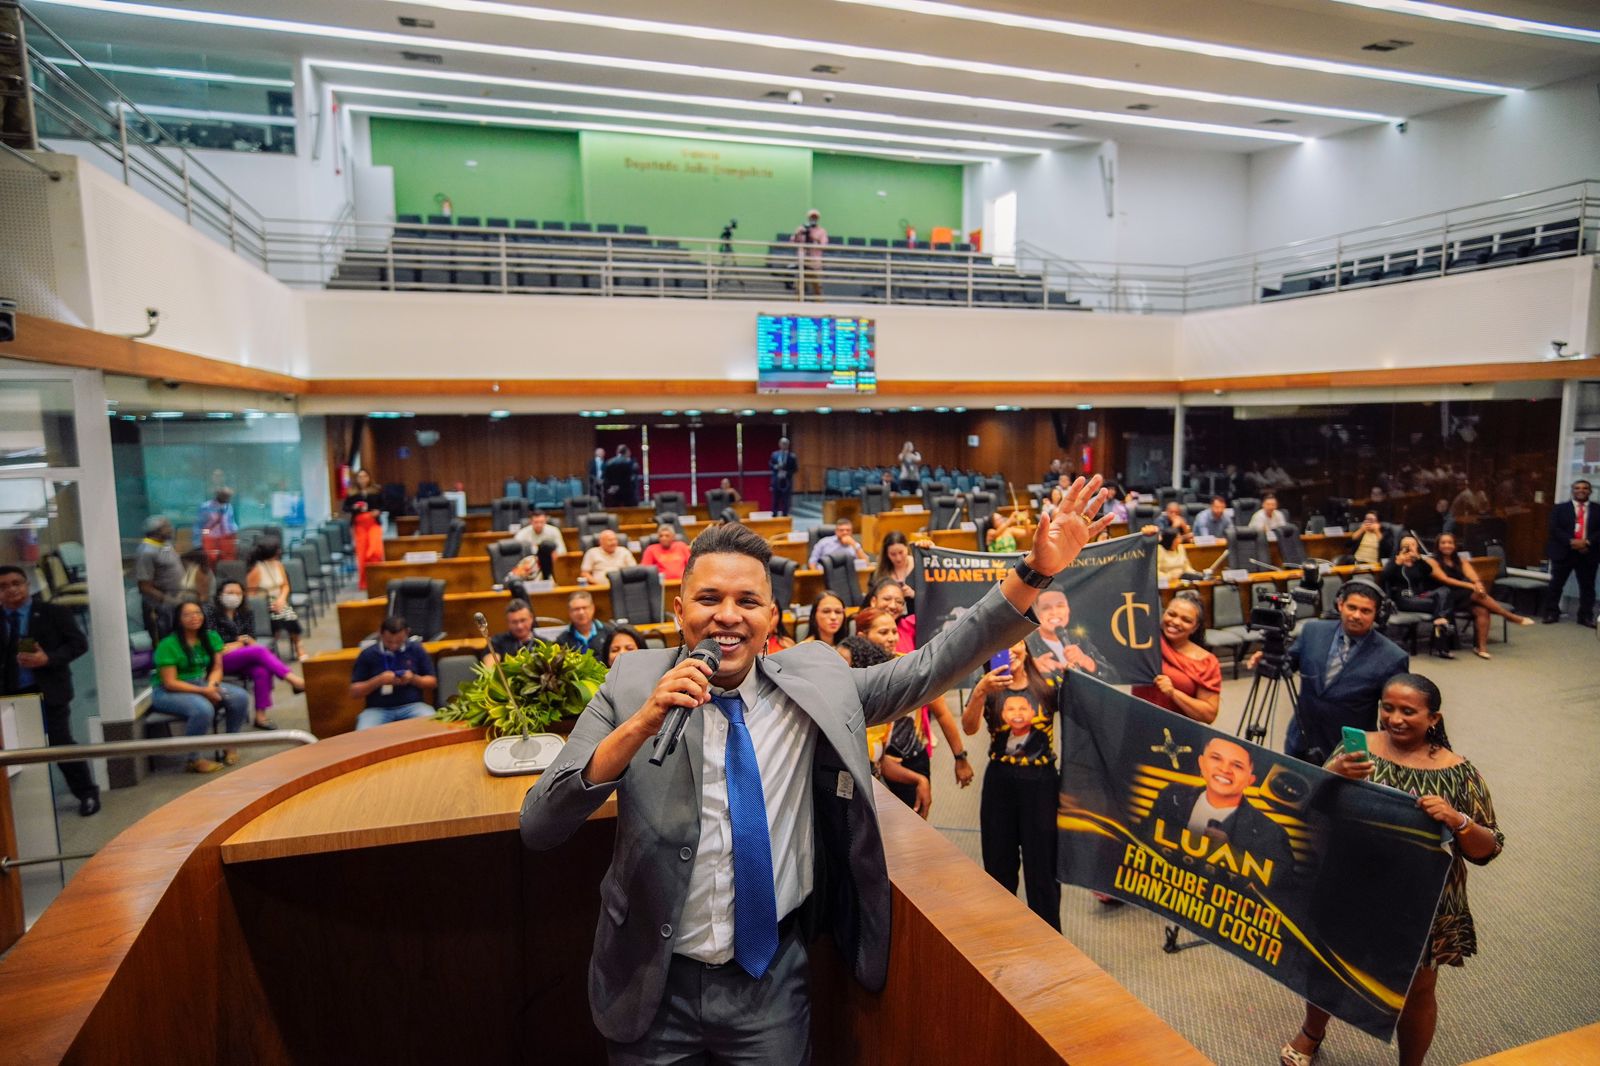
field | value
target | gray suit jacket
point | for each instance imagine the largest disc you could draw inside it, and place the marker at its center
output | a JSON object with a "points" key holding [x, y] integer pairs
{"points": [[658, 808]]}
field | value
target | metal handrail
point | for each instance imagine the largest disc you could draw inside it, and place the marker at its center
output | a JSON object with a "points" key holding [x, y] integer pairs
{"points": [[115, 749]]}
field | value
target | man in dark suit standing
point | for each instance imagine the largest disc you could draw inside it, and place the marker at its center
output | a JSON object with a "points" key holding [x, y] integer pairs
{"points": [[760, 827], [618, 477], [597, 470], [784, 466], [1343, 665], [38, 641], [1573, 527]]}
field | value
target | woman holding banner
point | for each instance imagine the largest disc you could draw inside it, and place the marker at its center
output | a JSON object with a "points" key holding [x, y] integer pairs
{"points": [[1411, 752], [1190, 681], [1017, 812]]}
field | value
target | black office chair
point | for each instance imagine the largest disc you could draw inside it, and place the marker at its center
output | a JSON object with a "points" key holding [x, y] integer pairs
{"points": [[592, 523], [839, 577], [671, 518], [671, 503], [232, 570], [452, 539], [932, 488], [981, 507], [453, 672], [782, 572], [636, 595], [1290, 548], [719, 500], [433, 515], [874, 499], [1244, 544], [420, 601], [1244, 507], [729, 516], [506, 512], [946, 513], [504, 555], [575, 506]]}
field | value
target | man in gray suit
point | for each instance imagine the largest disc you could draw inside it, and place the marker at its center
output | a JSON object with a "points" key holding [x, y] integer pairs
{"points": [[760, 828]]}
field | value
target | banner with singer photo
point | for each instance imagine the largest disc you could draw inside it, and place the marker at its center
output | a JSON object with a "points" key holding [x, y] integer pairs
{"points": [[1100, 616], [1326, 885]]}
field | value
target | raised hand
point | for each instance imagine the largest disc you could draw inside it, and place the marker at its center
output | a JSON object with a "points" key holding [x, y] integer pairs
{"points": [[1061, 537]]}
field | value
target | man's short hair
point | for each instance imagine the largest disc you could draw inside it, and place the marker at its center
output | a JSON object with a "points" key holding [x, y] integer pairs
{"points": [[155, 523], [580, 597], [1581, 481], [394, 624], [731, 538], [538, 512], [1270, 496], [1234, 743], [1361, 588], [1220, 499], [517, 604], [9, 569]]}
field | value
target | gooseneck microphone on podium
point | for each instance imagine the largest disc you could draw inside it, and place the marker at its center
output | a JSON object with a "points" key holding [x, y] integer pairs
{"points": [[709, 652], [521, 754]]}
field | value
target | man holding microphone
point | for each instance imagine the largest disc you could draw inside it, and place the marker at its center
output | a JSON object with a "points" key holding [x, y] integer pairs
{"points": [[700, 946]]}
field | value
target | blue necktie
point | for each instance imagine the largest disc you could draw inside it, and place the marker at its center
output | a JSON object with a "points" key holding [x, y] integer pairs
{"points": [[24, 675], [1338, 655], [755, 905]]}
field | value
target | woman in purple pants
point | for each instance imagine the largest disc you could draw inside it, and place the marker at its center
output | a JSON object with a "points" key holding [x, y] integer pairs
{"points": [[234, 622]]}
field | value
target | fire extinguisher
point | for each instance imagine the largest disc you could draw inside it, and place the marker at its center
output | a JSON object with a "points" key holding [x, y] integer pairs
{"points": [[911, 234]]}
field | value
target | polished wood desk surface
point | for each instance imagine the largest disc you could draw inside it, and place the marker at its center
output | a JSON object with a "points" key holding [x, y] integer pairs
{"points": [[467, 573], [1577, 1047], [431, 794], [839, 508], [472, 544]]}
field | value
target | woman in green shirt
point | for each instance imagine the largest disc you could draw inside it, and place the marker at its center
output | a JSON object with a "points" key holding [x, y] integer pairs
{"points": [[189, 664]]}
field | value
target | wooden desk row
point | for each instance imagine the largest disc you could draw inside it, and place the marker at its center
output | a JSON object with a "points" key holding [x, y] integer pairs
{"points": [[480, 521]]}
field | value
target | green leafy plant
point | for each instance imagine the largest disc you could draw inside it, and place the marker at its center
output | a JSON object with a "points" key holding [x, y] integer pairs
{"points": [[546, 683]]}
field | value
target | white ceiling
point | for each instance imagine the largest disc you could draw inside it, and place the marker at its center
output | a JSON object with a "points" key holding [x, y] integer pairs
{"points": [[1320, 29]]}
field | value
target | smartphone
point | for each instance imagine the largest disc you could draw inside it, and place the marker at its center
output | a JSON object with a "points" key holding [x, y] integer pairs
{"points": [[27, 645], [1001, 661], [1355, 740]]}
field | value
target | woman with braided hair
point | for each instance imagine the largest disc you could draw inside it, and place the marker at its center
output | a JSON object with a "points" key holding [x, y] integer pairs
{"points": [[1410, 751]]}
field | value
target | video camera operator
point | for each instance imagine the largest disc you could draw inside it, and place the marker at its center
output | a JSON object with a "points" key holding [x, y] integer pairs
{"points": [[1343, 665], [813, 235]]}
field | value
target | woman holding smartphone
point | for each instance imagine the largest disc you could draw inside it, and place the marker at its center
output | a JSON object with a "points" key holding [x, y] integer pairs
{"points": [[1411, 752], [1017, 811]]}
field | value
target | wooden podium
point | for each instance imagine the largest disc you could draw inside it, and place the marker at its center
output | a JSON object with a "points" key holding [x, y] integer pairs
{"points": [[367, 899]]}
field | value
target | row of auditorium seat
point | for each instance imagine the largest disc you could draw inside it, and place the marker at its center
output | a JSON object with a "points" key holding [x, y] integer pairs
{"points": [[1519, 245]]}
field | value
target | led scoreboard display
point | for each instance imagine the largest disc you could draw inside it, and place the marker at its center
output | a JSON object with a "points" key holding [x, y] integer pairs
{"points": [[815, 353]]}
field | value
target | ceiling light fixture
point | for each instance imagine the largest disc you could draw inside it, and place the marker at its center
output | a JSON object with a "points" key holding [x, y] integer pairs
{"points": [[693, 120], [541, 55], [1180, 44], [653, 131], [1480, 19], [177, 72], [879, 55], [843, 114]]}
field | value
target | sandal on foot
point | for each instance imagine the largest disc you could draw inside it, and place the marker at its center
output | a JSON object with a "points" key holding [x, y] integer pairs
{"points": [[230, 757], [264, 723], [1482, 654], [1288, 1056]]}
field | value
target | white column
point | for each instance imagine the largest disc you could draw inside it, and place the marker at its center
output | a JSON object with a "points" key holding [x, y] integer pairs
{"points": [[1177, 443], [102, 549]]}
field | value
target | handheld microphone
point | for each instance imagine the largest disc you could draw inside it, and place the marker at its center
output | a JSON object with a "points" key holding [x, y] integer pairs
{"points": [[709, 652]]}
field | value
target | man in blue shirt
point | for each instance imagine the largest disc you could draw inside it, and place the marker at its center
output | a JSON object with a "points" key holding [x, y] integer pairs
{"points": [[843, 541], [1215, 521], [394, 676], [584, 634]]}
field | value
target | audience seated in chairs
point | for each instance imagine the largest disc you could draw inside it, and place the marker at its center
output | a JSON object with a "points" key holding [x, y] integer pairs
{"points": [[394, 677], [519, 632], [230, 617], [269, 578], [827, 621], [1464, 592], [842, 541], [608, 554], [584, 632], [1269, 517], [188, 665], [622, 640], [1216, 520], [668, 554]]}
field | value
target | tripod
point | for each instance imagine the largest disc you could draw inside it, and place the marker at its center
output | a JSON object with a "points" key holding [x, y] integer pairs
{"points": [[1255, 724]]}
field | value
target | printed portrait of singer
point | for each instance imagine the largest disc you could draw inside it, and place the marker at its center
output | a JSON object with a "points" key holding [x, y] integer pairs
{"points": [[1056, 649], [1218, 811]]}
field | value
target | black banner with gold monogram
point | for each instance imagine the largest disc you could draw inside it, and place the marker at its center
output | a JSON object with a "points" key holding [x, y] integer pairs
{"points": [[1326, 885], [1100, 616]]}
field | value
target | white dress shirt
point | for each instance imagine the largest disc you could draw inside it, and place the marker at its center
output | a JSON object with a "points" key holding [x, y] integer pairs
{"points": [[785, 739]]}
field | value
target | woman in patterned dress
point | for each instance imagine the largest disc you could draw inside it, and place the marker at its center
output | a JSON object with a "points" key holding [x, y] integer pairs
{"points": [[1410, 751]]}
